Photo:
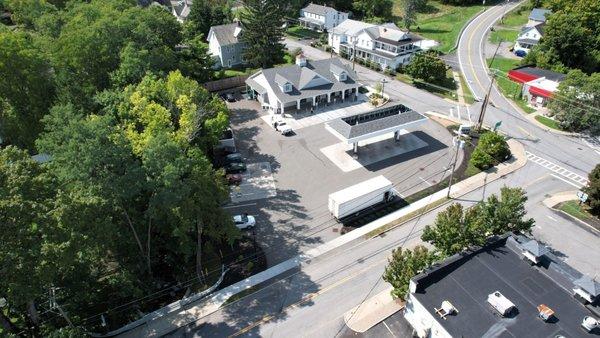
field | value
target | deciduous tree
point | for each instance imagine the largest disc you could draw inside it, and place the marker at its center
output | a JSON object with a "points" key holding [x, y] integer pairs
{"points": [[576, 105], [593, 191], [405, 264], [26, 88], [428, 67]]}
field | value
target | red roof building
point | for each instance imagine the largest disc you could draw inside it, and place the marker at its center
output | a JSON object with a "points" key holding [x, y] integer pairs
{"points": [[539, 85]]}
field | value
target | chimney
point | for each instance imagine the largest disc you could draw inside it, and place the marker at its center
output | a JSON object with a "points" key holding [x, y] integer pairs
{"points": [[301, 60]]}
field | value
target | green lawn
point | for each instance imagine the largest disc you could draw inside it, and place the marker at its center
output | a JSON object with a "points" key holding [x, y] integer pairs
{"points": [[578, 211], [548, 122], [446, 90], [509, 88], [516, 18], [442, 22], [298, 32], [503, 35], [468, 95]]}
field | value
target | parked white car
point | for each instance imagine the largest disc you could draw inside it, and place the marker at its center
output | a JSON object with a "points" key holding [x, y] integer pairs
{"points": [[284, 128], [243, 222]]}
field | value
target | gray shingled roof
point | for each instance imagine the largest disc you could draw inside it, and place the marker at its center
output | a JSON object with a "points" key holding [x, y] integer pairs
{"points": [[589, 285], [317, 9], [293, 74], [539, 14], [224, 33], [535, 248], [403, 116]]}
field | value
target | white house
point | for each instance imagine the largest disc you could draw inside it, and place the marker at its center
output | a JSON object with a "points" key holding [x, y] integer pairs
{"points": [[529, 36], [225, 46], [385, 44], [303, 85], [181, 9], [321, 18]]}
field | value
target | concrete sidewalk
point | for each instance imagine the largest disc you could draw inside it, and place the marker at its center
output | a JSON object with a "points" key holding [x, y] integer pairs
{"points": [[174, 318]]}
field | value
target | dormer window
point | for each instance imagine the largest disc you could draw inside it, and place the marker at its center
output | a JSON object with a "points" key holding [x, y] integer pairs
{"points": [[287, 88], [342, 77]]}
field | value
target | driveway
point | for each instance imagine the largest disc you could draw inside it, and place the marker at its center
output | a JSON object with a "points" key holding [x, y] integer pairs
{"points": [[306, 167]]}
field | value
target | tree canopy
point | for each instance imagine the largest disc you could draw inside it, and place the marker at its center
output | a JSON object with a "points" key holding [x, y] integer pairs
{"points": [[263, 32], [455, 229], [405, 264], [576, 105], [593, 191], [428, 67], [374, 10]]}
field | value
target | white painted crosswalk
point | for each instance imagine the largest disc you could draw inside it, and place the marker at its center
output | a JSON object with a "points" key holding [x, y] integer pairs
{"points": [[562, 172]]}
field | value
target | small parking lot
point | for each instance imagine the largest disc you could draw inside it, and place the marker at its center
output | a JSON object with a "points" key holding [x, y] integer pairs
{"points": [[257, 183], [289, 178]]}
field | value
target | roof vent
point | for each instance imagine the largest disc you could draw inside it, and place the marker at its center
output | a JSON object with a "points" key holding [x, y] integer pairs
{"points": [[446, 309], [501, 304], [533, 251]]}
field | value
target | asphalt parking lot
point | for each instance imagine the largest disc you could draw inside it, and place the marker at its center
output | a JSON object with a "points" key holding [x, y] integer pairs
{"points": [[290, 203]]}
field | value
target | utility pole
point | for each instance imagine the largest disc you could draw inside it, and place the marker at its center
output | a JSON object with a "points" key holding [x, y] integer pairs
{"points": [[54, 305], [459, 145], [486, 99]]}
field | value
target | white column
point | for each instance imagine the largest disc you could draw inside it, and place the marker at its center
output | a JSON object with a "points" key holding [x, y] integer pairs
{"points": [[314, 101], [328, 97], [282, 108], [343, 94], [298, 104]]}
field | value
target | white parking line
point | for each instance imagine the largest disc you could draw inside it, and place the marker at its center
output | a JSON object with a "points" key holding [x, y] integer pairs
{"points": [[238, 206], [424, 180], [388, 328]]}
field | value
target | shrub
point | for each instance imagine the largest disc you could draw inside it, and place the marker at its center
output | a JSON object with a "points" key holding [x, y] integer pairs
{"points": [[328, 48], [491, 150]]}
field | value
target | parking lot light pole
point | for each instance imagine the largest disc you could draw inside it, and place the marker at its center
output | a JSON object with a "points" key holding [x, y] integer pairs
{"points": [[383, 82]]}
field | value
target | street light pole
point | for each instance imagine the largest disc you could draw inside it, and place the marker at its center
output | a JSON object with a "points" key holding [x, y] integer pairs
{"points": [[486, 99], [383, 82]]}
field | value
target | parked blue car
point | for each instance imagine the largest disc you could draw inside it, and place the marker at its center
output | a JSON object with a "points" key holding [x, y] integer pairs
{"points": [[520, 53]]}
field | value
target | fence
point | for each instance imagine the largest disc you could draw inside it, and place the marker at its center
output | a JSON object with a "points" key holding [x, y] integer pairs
{"points": [[228, 83]]}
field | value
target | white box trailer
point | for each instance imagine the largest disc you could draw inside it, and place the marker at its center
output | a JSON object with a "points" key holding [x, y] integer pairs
{"points": [[360, 196]]}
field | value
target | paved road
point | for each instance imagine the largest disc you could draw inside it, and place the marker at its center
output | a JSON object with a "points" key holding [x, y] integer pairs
{"points": [[312, 301], [568, 151]]}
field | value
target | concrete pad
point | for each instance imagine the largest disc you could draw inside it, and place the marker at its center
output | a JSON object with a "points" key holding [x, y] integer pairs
{"points": [[372, 150], [372, 311], [257, 183]]}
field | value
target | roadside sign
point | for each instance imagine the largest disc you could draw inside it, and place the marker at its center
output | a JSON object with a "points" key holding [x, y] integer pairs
{"points": [[582, 196], [464, 129], [497, 125]]}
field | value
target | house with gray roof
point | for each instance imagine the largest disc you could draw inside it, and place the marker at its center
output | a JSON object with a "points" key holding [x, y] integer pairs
{"points": [[181, 9], [225, 45], [538, 15], [529, 37], [304, 84], [385, 44], [321, 18]]}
